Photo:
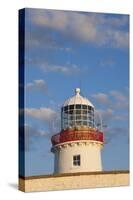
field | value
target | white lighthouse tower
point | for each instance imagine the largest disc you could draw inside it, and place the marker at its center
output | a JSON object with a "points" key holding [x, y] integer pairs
{"points": [[77, 148]]}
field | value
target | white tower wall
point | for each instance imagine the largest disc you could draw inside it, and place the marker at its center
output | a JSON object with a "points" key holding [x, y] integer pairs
{"points": [[90, 156]]}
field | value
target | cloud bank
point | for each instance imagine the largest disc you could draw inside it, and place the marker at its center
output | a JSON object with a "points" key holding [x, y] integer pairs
{"points": [[98, 29]]}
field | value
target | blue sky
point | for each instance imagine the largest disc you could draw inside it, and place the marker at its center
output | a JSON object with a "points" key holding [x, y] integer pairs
{"points": [[65, 50]]}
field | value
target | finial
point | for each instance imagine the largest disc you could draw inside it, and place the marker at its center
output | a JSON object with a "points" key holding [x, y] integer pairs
{"points": [[77, 91]]}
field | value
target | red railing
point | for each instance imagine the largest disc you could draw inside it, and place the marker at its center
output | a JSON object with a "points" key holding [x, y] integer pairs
{"points": [[72, 135]]}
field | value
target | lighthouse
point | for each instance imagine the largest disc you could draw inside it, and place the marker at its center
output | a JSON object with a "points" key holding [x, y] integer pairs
{"points": [[77, 147]]}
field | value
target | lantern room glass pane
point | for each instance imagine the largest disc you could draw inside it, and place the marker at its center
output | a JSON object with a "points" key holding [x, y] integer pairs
{"points": [[85, 123], [84, 112], [78, 106], [78, 112], [78, 117], [78, 123], [71, 111], [84, 107], [89, 107], [65, 108], [71, 107], [84, 117]]}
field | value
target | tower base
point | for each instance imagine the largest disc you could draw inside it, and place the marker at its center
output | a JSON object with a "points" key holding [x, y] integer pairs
{"points": [[88, 153]]}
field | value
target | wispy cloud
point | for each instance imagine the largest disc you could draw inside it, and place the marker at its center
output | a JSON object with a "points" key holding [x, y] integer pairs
{"points": [[113, 112], [117, 38], [37, 85], [107, 114], [44, 39], [107, 63], [68, 69], [113, 133], [98, 29], [46, 66], [115, 21], [101, 98], [49, 117], [121, 100], [118, 95], [44, 114], [30, 136], [29, 130], [47, 123], [113, 99]]}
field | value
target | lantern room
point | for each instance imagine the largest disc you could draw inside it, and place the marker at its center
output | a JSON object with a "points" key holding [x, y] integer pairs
{"points": [[77, 111]]}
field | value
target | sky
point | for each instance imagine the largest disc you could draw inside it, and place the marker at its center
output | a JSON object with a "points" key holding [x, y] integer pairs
{"points": [[65, 50]]}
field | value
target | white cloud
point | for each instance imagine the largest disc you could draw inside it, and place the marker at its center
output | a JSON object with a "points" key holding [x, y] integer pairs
{"points": [[121, 117], [68, 23], [49, 118], [107, 63], [47, 66], [30, 131], [113, 99], [101, 98], [67, 69], [118, 38], [44, 114], [28, 136], [112, 133], [42, 39], [94, 28], [107, 115], [114, 106], [122, 101], [118, 95], [37, 85], [114, 21]]}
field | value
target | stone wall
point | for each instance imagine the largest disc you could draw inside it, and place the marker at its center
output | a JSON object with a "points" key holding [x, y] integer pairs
{"points": [[74, 181]]}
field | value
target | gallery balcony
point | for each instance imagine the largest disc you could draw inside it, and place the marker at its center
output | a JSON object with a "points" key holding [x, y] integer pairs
{"points": [[81, 134]]}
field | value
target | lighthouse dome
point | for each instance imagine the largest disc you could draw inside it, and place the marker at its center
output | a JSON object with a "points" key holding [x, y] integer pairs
{"points": [[77, 99]]}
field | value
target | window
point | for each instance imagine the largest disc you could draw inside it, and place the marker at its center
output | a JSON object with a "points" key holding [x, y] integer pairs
{"points": [[85, 123], [78, 117], [76, 160], [71, 111], [84, 117], [78, 123], [66, 108], [78, 112], [84, 107], [89, 107], [71, 107], [78, 106], [84, 112]]}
